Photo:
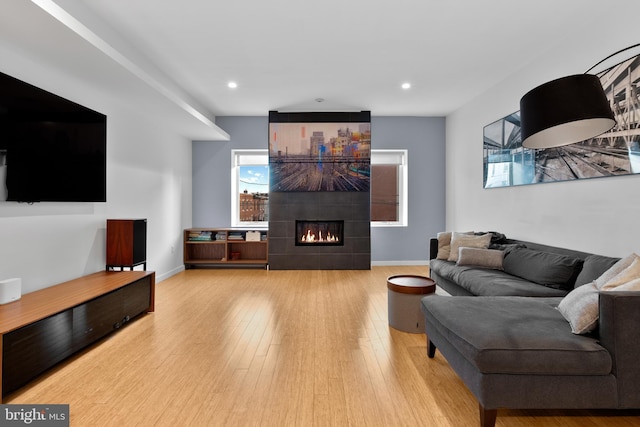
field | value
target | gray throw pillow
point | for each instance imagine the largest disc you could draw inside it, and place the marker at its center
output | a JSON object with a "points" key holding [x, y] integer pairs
{"points": [[545, 268], [594, 266]]}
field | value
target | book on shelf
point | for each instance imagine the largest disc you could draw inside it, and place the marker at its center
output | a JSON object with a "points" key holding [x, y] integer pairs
{"points": [[200, 235]]}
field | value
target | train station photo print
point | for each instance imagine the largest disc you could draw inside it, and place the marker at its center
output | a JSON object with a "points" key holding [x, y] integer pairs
{"points": [[614, 153], [313, 157]]}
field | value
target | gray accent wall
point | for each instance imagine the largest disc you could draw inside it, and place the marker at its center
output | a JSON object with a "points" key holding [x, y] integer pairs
{"points": [[423, 137]]}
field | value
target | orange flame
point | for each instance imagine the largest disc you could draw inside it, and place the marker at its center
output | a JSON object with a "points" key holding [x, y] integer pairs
{"points": [[310, 237]]}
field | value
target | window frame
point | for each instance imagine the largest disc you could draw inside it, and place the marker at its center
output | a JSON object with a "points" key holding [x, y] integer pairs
{"points": [[398, 157], [244, 157]]}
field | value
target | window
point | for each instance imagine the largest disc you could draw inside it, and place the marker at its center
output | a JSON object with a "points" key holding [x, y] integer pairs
{"points": [[389, 188], [250, 188]]}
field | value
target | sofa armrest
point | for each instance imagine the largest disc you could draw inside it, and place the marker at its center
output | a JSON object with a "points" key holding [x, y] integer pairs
{"points": [[433, 248], [620, 334]]}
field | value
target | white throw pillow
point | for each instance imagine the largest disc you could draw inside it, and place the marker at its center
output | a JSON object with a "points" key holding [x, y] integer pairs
{"points": [[486, 258], [459, 240], [630, 273], [615, 269], [632, 285], [581, 308], [444, 245]]}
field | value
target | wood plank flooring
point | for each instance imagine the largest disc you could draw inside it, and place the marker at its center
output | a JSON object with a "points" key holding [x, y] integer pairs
{"points": [[273, 348]]}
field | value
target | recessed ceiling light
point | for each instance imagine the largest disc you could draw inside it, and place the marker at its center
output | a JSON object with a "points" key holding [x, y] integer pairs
{"points": [[406, 85], [232, 85]]}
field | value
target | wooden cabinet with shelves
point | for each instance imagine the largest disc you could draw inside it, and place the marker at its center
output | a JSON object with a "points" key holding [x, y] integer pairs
{"points": [[46, 326], [225, 246]]}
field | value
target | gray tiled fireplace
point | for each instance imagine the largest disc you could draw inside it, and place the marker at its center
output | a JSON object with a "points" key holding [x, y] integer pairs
{"points": [[353, 253]]}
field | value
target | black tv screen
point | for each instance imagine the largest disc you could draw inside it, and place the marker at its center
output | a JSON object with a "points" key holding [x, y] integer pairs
{"points": [[51, 149]]}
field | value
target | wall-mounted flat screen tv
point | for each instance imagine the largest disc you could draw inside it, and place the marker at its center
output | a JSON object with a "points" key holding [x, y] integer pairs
{"points": [[51, 149], [324, 151]]}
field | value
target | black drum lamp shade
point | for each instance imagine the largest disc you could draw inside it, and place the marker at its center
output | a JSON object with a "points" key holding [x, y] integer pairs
{"points": [[564, 111]]}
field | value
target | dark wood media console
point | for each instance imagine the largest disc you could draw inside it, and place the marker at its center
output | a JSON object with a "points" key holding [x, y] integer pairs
{"points": [[47, 326]]}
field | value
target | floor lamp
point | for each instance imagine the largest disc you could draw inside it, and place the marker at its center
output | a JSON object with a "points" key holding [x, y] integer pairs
{"points": [[566, 110]]}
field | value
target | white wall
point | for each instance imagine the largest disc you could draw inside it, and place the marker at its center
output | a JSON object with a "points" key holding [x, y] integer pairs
{"points": [[148, 176], [596, 215]]}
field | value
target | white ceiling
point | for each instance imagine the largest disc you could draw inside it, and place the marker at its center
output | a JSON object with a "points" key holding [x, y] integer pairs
{"points": [[284, 54]]}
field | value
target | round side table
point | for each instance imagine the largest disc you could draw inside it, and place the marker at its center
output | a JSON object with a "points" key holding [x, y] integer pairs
{"points": [[404, 293]]}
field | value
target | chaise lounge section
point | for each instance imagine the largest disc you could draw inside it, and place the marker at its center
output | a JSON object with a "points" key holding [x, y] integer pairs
{"points": [[520, 352]]}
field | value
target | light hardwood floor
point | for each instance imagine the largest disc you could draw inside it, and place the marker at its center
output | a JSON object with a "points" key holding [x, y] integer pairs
{"points": [[273, 348]]}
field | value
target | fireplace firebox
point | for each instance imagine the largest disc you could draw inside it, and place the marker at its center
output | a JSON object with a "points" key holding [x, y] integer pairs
{"points": [[319, 233]]}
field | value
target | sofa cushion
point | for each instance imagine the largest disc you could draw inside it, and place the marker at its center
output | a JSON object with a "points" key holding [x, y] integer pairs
{"points": [[459, 240], [486, 258], [485, 282], [545, 268], [594, 266], [448, 270], [515, 335]]}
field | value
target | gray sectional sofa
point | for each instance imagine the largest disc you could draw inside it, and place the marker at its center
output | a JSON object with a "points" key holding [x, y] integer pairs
{"points": [[502, 333]]}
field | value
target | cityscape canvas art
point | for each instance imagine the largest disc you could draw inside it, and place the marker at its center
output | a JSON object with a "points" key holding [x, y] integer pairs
{"points": [[319, 156]]}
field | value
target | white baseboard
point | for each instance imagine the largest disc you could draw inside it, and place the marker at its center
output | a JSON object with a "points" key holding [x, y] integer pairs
{"points": [[388, 263], [161, 277]]}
